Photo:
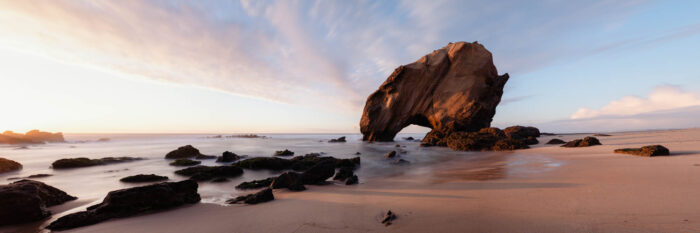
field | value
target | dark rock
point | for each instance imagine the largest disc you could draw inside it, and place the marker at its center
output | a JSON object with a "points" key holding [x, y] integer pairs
{"points": [[255, 184], [343, 173], [587, 141], [289, 180], [227, 156], [264, 195], [352, 180], [319, 173], [203, 173], [388, 217], [483, 140], [519, 132], [648, 151], [340, 139], [143, 178], [556, 141], [185, 162], [530, 141], [401, 162], [358, 153], [284, 152], [409, 138], [390, 154], [132, 201], [455, 88], [26, 201], [30, 177], [397, 145], [509, 144], [183, 152], [270, 163], [7, 165], [86, 162], [602, 135]]}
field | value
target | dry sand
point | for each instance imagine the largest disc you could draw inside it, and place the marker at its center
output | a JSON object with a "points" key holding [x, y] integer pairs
{"points": [[544, 189]]}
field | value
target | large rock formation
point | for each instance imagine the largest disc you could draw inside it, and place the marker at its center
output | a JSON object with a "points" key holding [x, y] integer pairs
{"points": [[455, 88], [132, 201], [26, 201]]}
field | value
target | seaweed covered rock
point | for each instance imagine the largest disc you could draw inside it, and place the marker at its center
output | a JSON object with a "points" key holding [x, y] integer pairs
{"points": [[7, 165], [455, 88], [556, 141], [183, 152], [647, 151], [585, 142], [264, 195], [227, 157], [203, 173], [255, 184], [132, 201], [284, 152], [185, 162], [26, 201], [86, 162], [143, 178]]}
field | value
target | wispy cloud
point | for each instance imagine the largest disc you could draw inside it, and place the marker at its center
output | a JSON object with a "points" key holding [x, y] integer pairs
{"points": [[677, 118], [661, 98]]}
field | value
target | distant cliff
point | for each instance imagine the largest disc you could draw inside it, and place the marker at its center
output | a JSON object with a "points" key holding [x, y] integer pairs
{"points": [[31, 137]]}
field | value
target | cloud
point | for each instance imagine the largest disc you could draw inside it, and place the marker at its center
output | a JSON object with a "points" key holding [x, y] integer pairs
{"points": [[661, 98], [677, 118]]}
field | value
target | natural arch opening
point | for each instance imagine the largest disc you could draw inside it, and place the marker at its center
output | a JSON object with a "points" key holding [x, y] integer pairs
{"points": [[416, 132]]}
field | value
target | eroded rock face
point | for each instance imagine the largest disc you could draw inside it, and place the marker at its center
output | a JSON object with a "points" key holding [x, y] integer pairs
{"points": [[132, 201], [26, 201], [455, 88]]}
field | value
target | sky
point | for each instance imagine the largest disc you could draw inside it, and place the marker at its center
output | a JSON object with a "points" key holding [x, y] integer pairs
{"points": [[308, 66]]}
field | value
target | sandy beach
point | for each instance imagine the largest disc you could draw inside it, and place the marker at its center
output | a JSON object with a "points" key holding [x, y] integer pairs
{"points": [[543, 189]]}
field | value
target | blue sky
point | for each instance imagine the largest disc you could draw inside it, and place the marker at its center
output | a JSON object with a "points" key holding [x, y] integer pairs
{"points": [[307, 66]]}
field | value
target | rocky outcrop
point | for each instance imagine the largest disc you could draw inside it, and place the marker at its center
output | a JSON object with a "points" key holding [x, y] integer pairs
{"points": [[7, 165], [647, 151], [132, 201], [203, 173], [143, 178], [556, 141], [289, 180], [183, 152], [340, 139], [31, 137], [284, 152], [86, 162], [455, 88], [264, 195], [587, 141], [227, 157], [185, 162], [26, 201]]}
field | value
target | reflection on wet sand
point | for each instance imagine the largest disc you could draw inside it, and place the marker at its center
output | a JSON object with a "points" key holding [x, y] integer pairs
{"points": [[486, 166]]}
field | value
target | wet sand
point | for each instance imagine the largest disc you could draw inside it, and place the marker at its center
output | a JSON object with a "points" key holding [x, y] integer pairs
{"points": [[544, 189]]}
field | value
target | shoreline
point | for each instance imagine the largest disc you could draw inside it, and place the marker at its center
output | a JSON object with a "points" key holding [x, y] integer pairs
{"points": [[543, 189]]}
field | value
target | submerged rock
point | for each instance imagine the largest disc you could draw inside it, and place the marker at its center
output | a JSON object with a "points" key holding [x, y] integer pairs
{"points": [[185, 162], [183, 152], [556, 141], [86, 162], [264, 195], [203, 173], [205, 157], [648, 151], [7, 165], [401, 162], [587, 141], [255, 184], [284, 152], [132, 201], [602, 135], [143, 178], [409, 138], [352, 180], [455, 88], [26, 201], [227, 156], [340, 139], [390, 154], [343, 173], [30, 177]]}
